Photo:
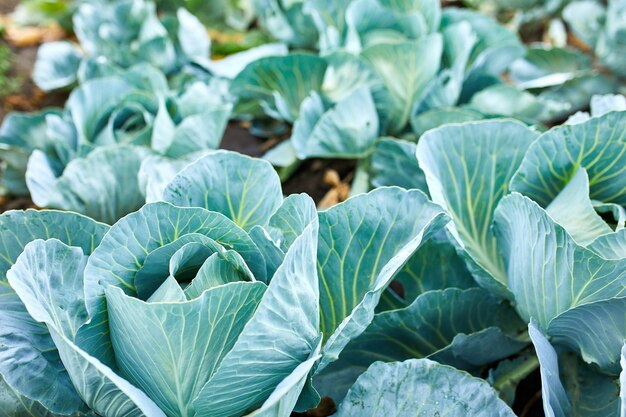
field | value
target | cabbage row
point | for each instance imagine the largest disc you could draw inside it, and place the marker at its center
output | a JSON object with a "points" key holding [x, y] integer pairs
{"points": [[169, 278]]}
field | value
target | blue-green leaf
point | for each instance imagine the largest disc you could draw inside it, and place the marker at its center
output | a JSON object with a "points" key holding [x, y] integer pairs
{"points": [[102, 389], [595, 330], [56, 65], [468, 168], [555, 400], [364, 242], [20, 134], [598, 145], [28, 359], [610, 246], [431, 119], [103, 185], [573, 210], [245, 190], [285, 396], [591, 392], [16, 405], [622, 381], [435, 266], [438, 324], [406, 75], [293, 216], [347, 130], [420, 387], [585, 19], [48, 277], [547, 272], [280, 83], [182, 343], [394, 163]]}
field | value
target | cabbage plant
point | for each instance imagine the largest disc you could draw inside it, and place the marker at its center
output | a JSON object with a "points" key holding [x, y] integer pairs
{"points": [[118, 35], [602, 28], [239, 295], [530, 230], [87, 157]]}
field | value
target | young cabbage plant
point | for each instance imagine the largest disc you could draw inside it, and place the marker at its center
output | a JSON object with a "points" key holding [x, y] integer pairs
{"points": [[549, 83], [601, 26], [548, 250], [86, 158], [117, 35], [526, 226]]}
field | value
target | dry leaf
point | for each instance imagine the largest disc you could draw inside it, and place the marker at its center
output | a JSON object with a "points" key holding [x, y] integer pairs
{"points": [[26, 36], [577, 43], [335, 195], [331, 177]]}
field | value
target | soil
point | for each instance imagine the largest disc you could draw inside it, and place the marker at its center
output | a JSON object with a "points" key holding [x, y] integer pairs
{"points": [[310, 178]]}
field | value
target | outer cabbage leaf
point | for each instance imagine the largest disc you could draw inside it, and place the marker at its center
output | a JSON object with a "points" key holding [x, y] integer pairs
{"points": [[610, 246], [347, 130], [48, 277], [497, 46], [56, 65], [420, 386], [284, 398], [182, 343], [230, 66], [280, 83], [29, 361], [437, 324], [371, 22], [394, 163], [555, 400], [20, 133], [405, 74], [156, 172], [585, 19], [468, 168], [244, 189], [598, 145], [622, 381], [435, 266], [573, 210], [431, 119], [545, 67], [16, 405], [364, 242], [592, 393], [505, 100], [104, 185], [595, 330], [550, 276], [287, 21]]}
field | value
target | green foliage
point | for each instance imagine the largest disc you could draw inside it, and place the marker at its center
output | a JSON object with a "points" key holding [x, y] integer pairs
{"points": [[9, 84]]}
